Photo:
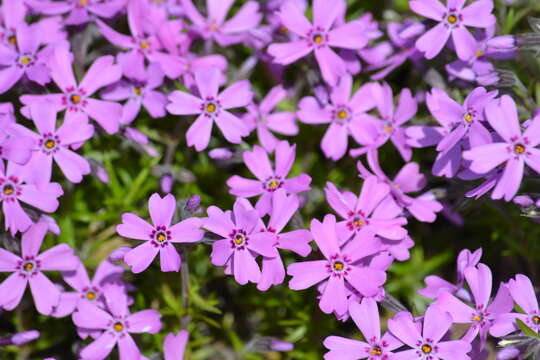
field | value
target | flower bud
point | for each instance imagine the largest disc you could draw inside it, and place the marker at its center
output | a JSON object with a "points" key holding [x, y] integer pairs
{"points": [[24, 337]]}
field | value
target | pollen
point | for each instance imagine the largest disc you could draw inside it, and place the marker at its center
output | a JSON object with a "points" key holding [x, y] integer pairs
{"points": [[468, 118], [426, 349], [536, 320], [118, 326], [479, 53], [8, 190], [28, 267], [273, 184], [376, 351], [161, 237], [283, 30], [25, 60], [49, 144], [317, 39], [239, 239], [75, 99], [358, 222], [144, 45], [388, 128], [12, 40], [342, 114], [211, 108], [519, 149], [452, 19], [477, 318], [90, 295], [137, 91], [338, 266], [83, 2]]}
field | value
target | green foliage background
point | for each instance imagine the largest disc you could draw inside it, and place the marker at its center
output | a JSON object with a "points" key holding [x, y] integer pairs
{"points": [[221, 315]]}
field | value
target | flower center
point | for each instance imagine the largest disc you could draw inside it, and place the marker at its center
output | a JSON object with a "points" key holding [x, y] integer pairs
{"points": [[272, 184], [28, 266], [477, 317], [25, 59], [388, 128], [49, 144], [118, 326], [426, 349], [8, 189], [144, 45], [83, 2], [357, 222], [342, 114], [75, 99], [317, 38], [376, 350], [12, 40], [161, 237], [479, 53], [239, 239], [519, 149], [338, 265], [91, 295], [452, 19], [283, 30], [536, 320], [468, 118], [137, 91], [211, 108]]}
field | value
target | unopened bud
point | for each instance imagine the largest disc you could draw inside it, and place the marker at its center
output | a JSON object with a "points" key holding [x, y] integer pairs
{"points": [[24, 337], [118, 255], [166, 183]]}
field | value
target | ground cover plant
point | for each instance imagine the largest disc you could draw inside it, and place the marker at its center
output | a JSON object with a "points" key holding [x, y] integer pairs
{"points": [[274, 179]]}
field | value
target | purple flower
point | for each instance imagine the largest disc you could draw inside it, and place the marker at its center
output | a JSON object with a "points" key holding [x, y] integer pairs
{"points": [[215, 27], [435, 284], [283, 209], [482, 315], [76, 99], [368, 216], [14, 147], [241, 243], [116, 324], [453, 20], [345, 114], [427, 345], [80, 11], [175, 345], [14, 188], [319, 37], [339, 270], [27, 269], [366, 317], [522, 292], [261, 117], [408, 179], [25, 58], [268, 179], [212, 107], [90, 290], [143, 42], [388, 127], [53, 144], [159, 237], [514, 151], [139, 90]]}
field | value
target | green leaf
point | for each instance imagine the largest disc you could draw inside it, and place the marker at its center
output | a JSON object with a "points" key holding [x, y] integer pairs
{"points": [[527, 330]]}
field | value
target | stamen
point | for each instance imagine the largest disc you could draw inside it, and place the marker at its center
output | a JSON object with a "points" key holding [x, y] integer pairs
{"points": [[144, 45], [90, 295], [283, 30], [239, 239], [388, 128], [342, 114], [12, 40], [338, 265], [452, 19], [468, 118], [137, 91], [83, 2], [479, 53], [536, 320], [519, 149], [317, 39], [49, 144], [376, 351], [211, 108], [75, 99], [426, 349], [28, 267], [118, 326], [25, 60], [477, 318], [161, 237], [358, 222], [8, 190]]}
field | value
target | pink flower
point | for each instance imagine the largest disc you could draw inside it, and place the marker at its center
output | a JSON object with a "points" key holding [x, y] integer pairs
{"points": [[53, 144], [159, 237], [318, 37], [175, 345], [27, 269], [453, 19], [212, 107], [344, 113], [76, 99], [14, 188], [116, 324], [514, 151], [13, 147], [340, 268], [241, 243], [366, 317], [264, 120], [80, 11], [215, 27], [268, 179]]}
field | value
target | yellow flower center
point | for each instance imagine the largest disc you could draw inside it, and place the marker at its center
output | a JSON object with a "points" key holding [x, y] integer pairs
{"points": [[426, 349], [358, 222], [536, 320], [83, 2], [519, 149], [479, 53], [338, 265], [211, 108], [137, 91], [468, 118], [25, 60], [75, 99], [118, 326], [452, 19], [317, 39], [28, 267], [49, 144], [161, 237], [376, 351], [477, 318], [144, 45], [283, 30], [90, 295], [342, 114], [273, 184], [239, 239], [388, 128], [12, 40], [8, 190]]}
